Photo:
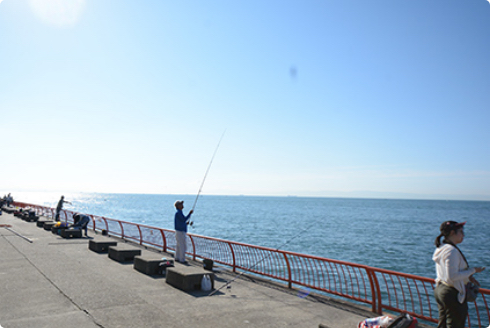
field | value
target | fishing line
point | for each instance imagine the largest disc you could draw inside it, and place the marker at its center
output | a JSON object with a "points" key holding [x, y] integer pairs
{"points": [[206, 174], [261, 260]]}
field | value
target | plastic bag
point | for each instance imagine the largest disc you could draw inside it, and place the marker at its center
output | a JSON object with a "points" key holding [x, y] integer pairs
{"points": [[206, 283], [378, 322]]}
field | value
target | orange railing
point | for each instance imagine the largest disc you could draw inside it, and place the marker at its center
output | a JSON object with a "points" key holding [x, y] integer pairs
{"points": [[383, 290]]}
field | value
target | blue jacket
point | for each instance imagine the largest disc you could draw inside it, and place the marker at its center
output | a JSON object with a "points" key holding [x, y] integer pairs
{"points": [[181, 221]]}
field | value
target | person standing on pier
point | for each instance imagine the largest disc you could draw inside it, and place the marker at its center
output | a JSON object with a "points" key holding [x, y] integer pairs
{"points": [[181, 222], [453, 273], [10, 200], [59, 207]]}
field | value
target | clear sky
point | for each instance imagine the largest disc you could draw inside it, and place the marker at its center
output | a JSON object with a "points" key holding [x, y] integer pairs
{"points": [[317, 98]]}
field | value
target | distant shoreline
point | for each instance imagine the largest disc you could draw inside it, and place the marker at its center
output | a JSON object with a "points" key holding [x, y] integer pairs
{"points": [[362, 195]]}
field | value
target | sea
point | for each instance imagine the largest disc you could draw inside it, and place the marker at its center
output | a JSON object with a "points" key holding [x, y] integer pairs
{"points": [[393, 234]]}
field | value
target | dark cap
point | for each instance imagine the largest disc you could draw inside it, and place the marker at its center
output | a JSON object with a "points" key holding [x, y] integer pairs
{"points": [[451, 225]]}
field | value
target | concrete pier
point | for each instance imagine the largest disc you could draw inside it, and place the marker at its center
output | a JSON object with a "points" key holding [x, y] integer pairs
{"points": [[56, 282]]}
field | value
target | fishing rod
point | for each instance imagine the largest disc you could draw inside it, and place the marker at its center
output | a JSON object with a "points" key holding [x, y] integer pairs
{"points": [[261, 260], [205, 175]]}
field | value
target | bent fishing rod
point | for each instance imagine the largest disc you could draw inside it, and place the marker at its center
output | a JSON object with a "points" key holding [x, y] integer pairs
{"points": [[261, 260], [205, 175]]}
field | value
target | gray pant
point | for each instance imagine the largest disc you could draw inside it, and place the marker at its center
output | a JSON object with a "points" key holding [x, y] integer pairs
{"points": [[180, 250], [452, 314]]}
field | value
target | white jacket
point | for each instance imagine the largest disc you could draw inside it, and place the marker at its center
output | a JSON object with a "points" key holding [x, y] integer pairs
{"points": [[452, 268]]}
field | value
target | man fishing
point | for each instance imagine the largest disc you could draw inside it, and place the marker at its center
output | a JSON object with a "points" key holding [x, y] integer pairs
{"points": [[59, 207], [181, 222]]}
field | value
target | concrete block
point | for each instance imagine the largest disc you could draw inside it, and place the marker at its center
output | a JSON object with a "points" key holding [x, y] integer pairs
{"points": [[29, 216], [9, 209], [149, 265], [32, 218], [71, 233], [122, 253], [57, 230], [100, 246], [187, 278], [40, 223], [48, 225]]}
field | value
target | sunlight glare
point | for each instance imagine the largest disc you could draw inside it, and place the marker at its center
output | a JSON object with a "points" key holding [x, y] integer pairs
{"points": [[58, 12]]}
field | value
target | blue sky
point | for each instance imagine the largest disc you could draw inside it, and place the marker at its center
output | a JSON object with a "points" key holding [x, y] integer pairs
{"points": [[318, 98]]}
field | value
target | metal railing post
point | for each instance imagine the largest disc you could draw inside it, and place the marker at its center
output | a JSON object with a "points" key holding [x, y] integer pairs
{"points": [[290, 278], [193, 248]]}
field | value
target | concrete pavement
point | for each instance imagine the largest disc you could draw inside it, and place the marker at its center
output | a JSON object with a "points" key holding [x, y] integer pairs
{"points": [[56, 282]]}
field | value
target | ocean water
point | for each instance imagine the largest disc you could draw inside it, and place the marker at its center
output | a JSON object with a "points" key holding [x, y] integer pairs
{"points": [[390, 234]]}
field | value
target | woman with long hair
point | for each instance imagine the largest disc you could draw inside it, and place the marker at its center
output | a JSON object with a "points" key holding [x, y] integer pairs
{"points": [[453, 273]]}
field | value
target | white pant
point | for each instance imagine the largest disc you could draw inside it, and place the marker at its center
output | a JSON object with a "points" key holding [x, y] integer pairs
{"points": [[180, 237]]}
